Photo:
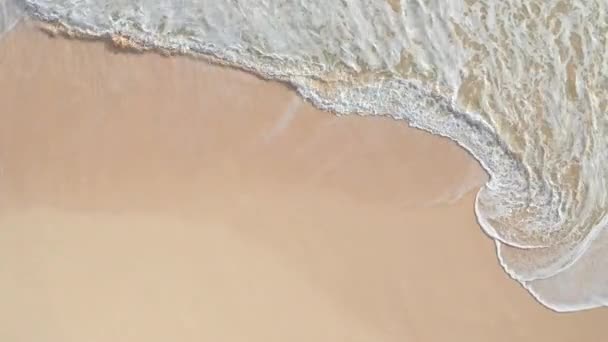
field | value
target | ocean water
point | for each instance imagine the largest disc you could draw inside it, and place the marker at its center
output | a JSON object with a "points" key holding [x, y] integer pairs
{"points": [[521, 84]]}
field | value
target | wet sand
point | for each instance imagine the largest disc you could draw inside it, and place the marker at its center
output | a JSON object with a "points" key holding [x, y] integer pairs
{"points": [[146, 198]]}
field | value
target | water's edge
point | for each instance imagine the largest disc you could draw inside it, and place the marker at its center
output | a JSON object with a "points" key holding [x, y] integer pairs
{"points": [[409, 101]]}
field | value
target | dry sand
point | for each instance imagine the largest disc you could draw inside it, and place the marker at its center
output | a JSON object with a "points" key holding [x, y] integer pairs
{"points": [[146, 198]]}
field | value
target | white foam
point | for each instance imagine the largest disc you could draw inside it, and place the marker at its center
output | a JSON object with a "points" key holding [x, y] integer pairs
{"points": [[284, 121]]}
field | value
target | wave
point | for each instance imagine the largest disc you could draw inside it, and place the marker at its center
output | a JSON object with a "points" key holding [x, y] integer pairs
{"points": [[519, 84]]}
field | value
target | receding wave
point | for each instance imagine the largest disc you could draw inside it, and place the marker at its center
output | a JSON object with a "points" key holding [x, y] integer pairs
{"points": [[522, 85]]}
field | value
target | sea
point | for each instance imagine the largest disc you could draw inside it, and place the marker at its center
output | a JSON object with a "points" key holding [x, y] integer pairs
{"points": [[522, 85]]}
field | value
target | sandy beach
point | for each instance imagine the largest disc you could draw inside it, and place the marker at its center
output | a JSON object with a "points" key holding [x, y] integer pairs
{"points": [[151, 198]]}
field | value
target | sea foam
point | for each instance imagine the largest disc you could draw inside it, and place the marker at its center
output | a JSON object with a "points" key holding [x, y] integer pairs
{"points": [[520, 84]]}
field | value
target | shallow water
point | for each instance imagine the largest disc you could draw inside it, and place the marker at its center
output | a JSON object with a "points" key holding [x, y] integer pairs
{"points": [[10, 13], [520, 84]]}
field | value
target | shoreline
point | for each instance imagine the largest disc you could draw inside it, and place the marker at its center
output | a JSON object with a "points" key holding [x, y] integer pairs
{"points": [[144, 188], [447, 87]]}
